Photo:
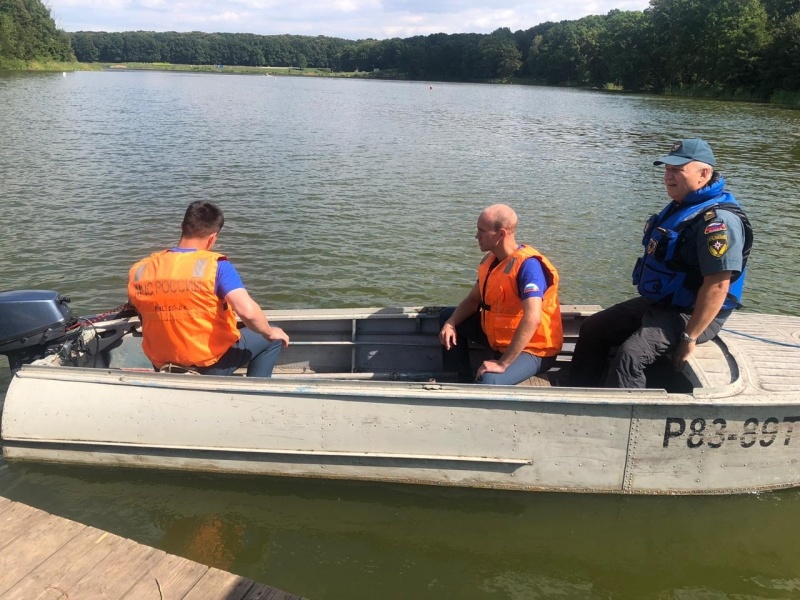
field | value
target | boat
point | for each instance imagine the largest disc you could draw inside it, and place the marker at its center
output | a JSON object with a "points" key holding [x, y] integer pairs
{"points": [[361, 394]]}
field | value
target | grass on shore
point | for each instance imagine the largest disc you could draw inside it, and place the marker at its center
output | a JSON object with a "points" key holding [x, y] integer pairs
{"points": [[790, 99], [293, 71], [45, 65]]}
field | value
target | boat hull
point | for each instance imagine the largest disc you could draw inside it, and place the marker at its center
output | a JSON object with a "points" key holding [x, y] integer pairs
{"points": [[549, 439]]}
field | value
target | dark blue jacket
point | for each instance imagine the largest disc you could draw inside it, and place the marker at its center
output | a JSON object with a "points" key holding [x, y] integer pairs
{"points": [[661, 274]]}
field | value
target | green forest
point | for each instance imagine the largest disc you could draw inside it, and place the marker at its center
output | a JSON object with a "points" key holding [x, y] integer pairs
{"points": [[747, 49], [28, 33]]}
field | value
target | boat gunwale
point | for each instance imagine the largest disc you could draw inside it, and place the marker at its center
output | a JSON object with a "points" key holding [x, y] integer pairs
{"points": [[357, 390], [743, 390]]}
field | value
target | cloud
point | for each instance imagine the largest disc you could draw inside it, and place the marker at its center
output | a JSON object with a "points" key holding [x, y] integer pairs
{"points": [[351, 19]]}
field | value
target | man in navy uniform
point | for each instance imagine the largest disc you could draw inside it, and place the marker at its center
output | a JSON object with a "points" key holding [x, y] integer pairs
{"points": [[690, 277]]}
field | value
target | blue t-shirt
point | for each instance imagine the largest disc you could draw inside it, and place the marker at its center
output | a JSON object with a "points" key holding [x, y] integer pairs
{"points": [[228, 278], [531, 282]]}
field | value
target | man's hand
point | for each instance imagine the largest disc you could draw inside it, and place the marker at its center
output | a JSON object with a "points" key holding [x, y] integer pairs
{"points": [[447, 336], [276, 333], [682, 352], [490, 366]]}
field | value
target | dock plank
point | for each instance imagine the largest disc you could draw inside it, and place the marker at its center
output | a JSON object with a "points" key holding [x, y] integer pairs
{"points": [[112, 577], [172, 577], [39, 542], [14, 521], [66, 567], [44, 557], [264, 592], [219, 584]]}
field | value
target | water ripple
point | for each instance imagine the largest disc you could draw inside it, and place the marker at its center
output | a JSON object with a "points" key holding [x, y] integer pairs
{"points": [[354, 193]]}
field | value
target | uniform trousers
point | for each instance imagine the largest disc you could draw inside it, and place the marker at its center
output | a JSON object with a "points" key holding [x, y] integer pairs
{"points": [[642, 331]]}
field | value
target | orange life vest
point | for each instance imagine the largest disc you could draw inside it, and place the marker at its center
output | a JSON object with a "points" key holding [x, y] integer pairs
{"points": [[501, 305], [183, 320]]}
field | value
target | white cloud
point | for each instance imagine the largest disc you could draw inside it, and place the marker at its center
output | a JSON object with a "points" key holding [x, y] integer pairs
{"points": [[351, 19]]}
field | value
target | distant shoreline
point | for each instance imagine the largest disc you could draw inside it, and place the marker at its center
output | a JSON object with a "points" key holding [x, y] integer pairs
{"points": [[387, 74]]}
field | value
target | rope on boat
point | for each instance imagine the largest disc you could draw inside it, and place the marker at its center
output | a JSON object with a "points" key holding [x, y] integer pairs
{"points": [[103, 316], [761, 339]]}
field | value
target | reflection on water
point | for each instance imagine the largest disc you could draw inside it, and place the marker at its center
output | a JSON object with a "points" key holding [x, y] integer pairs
{"points": [[333, 540], [354, 193]]}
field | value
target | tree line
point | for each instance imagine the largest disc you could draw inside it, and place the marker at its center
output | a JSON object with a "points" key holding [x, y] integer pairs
{"points": [[747, 47], [736, 45]]}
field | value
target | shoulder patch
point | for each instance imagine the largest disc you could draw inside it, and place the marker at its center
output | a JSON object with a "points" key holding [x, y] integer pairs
{"points": [[714, 227], [531, 287], [709, 214], [717, 244]]}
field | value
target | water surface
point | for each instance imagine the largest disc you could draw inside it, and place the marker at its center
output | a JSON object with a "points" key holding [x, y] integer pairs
{"points": [[341, 193]]}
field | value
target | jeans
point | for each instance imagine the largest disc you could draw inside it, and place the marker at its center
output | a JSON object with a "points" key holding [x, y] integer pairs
{"points": [[457, 358], [259, 353]]}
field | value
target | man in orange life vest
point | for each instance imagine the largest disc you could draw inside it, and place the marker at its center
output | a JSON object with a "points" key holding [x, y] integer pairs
{"points": [[188, 298], [513, 308]]}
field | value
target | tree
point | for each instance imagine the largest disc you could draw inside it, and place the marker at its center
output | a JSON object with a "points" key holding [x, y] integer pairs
{"points": [[778, 10], [141, 46], [85, 46], [28, 32], [781, 65], [625, 46], [708, 42], [738, 34], [558, 57], [680, 30], [499, 54]]}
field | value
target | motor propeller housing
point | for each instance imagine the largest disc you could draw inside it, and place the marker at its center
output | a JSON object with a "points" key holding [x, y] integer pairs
{"points": [[32, 323]]}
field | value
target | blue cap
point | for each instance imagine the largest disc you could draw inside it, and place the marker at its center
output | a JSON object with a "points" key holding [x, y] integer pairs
{"points": [[686, 151]]}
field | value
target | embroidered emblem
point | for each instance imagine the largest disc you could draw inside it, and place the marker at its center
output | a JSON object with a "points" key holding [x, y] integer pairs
{"points": [[651, 246], [676, 146], [714, 227], [717, 244], [708, 215]]}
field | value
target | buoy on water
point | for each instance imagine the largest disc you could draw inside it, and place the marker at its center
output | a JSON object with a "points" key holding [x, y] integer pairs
{"points": [[63, 73]]}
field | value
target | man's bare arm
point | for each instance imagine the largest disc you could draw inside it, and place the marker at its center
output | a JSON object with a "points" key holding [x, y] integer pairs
{"points": [[253, 317]]}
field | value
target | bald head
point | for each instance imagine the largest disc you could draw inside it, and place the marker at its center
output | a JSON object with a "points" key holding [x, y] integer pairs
{"points": [[500, 216], [496, 227]]}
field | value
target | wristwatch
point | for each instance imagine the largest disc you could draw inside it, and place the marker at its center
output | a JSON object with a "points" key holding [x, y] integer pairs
{"points": [[685, 337]]}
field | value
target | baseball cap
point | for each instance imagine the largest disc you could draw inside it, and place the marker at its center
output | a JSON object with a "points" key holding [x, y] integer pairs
{"points": [[685, 151]]}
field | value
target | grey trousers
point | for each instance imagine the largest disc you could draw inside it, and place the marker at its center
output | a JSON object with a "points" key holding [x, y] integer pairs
{"points": [[642, 332]]}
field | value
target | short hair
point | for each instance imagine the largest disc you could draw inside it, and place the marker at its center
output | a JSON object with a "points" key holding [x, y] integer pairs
{"points": [[502, 217], [201, 219]]}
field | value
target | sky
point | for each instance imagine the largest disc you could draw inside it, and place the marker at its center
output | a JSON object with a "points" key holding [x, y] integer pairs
{"points": [[349, 19]]}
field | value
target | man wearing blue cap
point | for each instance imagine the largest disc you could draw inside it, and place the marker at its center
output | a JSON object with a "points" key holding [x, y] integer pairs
{"points": [[690, 277]]}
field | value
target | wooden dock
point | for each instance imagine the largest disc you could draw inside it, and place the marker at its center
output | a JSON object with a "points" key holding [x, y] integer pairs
{"points": [[48, 557]]}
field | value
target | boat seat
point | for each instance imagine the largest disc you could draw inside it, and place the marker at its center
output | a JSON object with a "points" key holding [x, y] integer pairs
{"points": [[711, 365], [170, 368], [540, 380]]}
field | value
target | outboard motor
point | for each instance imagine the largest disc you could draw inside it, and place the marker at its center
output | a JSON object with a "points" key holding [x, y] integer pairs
{"points": [[33, 324]]}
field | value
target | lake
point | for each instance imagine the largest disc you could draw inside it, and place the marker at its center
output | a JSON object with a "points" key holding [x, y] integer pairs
{"points": [[345, 193]]}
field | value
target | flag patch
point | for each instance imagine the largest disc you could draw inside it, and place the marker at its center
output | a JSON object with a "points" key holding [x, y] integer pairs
{"points": [[714, 227]]}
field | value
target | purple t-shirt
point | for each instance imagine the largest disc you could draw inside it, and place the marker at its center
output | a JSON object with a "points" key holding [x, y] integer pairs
{"points": [[228, 278]]}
